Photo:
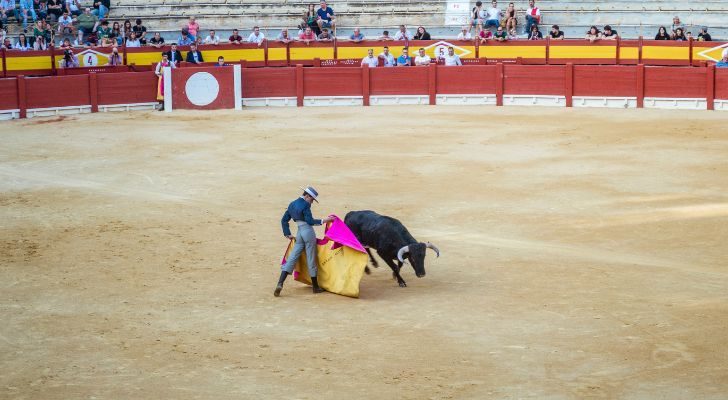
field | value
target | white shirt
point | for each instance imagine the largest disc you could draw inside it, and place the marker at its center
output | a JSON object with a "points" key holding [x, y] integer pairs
{"points": [[402, 36], [493, 13], [452, 60], [533, 11], [133, 43], [71, 5], [419, 60], [373, 62], [212, 40], [65, 21], [464, 36], [256, 39], [389, 60]]}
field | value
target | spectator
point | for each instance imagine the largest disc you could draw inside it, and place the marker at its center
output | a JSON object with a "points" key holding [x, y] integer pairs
{"points": [[185, 39], [704, 36], [307, 36], [7, 44], [533, 15], [41, 9], [66, 44], [325, 36], [8, 8], [493, 15], [310, 18], [723, 63], [55, 9], [385, 36], [159, 71], [256, 36], [679, 35], [403, 34], [65, 24], [141, 31], [212, 38], [725, 53], [675, 25], [157, 41], [127, 29], [104, 35], [535, 33], [422, 34], [26, 9], [477, 17], [69, 59], [73, 7], [101, 8], [593, 35], [284, 37], [326, 17], [357, 36], [115, 58], [193, 28], [510, 20], [500, 35], [452, 59], [422, 59], [689, 36], [194, 56], [174, 56], [662, 34], [87, 24], [555, 33], [40, 43], [512, 34], [404, 60], [388, 58], [133, 41], [221, 62], [464, 34], [370, 60], [485, 35], [40, 30], [235, 38], [116, 33], [609, 33]]}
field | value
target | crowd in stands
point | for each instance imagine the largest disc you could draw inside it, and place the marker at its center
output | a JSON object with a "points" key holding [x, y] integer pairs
{"points": [[87, 25]]}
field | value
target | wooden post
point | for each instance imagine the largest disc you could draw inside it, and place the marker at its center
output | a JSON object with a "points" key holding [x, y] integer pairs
{"points": [[365, 83], [640, 86], [477, 47], [569, 85], [22, 97], [336, 50], [639, 50], [499, 80], [690, 49], [548, 49], [710, 86], [316, 62], [93, 92], [299, 85], [124, 53], [432, 83], [288, 54], [265, 52], [617, 58], [5, 65], [53, 59]]}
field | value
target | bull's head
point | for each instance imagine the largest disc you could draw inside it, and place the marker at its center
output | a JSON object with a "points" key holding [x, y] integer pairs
{"points": [[416, 255]]}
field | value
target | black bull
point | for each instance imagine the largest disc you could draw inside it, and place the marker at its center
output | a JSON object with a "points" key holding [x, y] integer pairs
{"points": [[391, 240]]}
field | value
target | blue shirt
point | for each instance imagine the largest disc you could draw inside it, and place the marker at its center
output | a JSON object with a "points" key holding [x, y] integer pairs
{"points": [[185, 41], [403, 61], [298, 210], [721, 64], [322, 13]]}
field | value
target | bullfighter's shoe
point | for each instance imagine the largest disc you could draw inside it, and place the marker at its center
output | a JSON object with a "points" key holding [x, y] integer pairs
{"points": [[279, 287], [316, 288]]}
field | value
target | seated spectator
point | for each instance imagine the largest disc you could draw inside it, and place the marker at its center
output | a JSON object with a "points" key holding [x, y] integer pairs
{"points": [[307, 36], [477, 17], [535, 33], [140, 31], [174, 56], [117, 34], [609, 33], [40, 29], [127, 29], [73, 7], [133, 41], [185, 39], [27, 10], [7, 44], [89, 41], [452, 59], [104, 35], [115, 58], [385, 36], [193, 28], [357, 36], [723, 63], [422, 59], [556, 33], [326, 17], [679, 35], [221, 62], [689, 36], [69, 60], [194, 56], [40, 43], [283, 37], [493, 15], [310, 18], [704, 36], [325, 36], [235, 38], [55, 9], [65, 24], [212, 38], [662, 34], [101, 8], [370, 60], [8, 9], [404, 60], [510, 19], [87, 24], [675, 25], [512, 34], [593, 35], [388, 58], [533, 16], [256, 36], [22, 44], [422, 34], [403, 34], [500, 35], [157, 41], [66, 44], [485, 35], [41, 9], [464, 34]]}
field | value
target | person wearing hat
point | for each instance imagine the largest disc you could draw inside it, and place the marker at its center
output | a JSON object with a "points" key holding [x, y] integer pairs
{"points": [[300, 211]]}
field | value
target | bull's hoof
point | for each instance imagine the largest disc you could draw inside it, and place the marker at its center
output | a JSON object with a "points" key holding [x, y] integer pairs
{"points": [[402, 284], [367, 271]]}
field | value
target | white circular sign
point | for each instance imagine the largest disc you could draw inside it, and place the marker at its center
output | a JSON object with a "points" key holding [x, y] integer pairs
{"points": [[90, 60], [202, 88]]}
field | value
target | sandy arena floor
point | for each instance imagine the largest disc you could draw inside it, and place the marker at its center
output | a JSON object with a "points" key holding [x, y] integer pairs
{"points": [[584, 255]]}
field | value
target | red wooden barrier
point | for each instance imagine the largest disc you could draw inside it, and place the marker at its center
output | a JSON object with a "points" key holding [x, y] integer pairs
{"points": [[9, 97], [474, 79], [332, 82], [675, 82], [55, 91], [721, 83], [269, 82], [606, 81], [127, 88], [399, 81], [536, 80]]}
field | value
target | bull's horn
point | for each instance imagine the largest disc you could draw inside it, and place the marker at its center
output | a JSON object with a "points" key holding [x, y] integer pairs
{"points": [[433, 247], [401, 252]]}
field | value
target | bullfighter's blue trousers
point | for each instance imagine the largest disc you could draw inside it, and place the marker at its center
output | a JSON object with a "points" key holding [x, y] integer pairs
{"points": [[305, 238]]}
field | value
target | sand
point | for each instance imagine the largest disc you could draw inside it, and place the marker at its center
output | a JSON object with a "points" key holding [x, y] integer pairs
{"points": [[583, 255]]}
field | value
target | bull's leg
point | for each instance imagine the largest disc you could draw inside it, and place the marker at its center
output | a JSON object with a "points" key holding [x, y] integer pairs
{"points": [[395, 272], [371, 257]]}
